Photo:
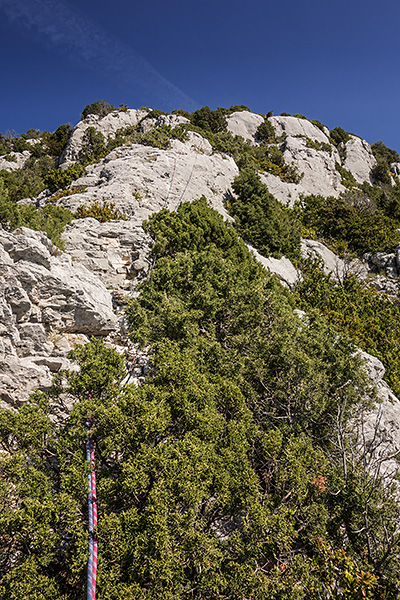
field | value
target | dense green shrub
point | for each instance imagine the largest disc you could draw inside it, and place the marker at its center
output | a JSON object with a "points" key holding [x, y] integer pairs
{"points": [[322, 146], [20, 144], [9, 213], [339, 135], [387, 198], [261, 220], [50, 219], [380, 173], [29, 181], [47, 144], [263, 157], [154, 114], [4, 146], [210, 120], [182, 113], [161, 137], [100, 108], [220, 477], [242, 153], [266, 132], [32, 134], [347, 178], [93, 146], [382, 152], [318, 124], [56, 141], [274, 163], [238, 108], [347, 225], [369, 317], [57, 179]]}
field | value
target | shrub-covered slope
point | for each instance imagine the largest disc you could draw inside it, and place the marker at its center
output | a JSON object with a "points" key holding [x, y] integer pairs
{"points": [[240, 466], [228, 474]]}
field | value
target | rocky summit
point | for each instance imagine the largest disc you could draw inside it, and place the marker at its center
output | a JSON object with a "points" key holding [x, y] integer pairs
{"points": [[219, 291]]}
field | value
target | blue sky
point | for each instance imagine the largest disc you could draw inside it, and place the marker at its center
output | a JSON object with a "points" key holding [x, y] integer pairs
{"points": [[337, 62]]}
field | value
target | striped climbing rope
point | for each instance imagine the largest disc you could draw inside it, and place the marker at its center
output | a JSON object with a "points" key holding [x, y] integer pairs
{"points": [[92, 562]]}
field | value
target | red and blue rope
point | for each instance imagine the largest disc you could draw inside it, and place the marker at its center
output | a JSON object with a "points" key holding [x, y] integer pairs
{"points": [[92, 562]]}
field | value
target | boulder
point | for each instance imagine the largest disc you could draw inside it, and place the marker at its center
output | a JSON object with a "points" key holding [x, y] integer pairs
{"points": [[332, 264], [338, 268], [373, 366], [386, 262]]}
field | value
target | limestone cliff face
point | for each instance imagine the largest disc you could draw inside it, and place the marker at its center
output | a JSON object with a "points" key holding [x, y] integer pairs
{"points": [[48, 303], [141, 179], [51, 300], [107, 126]]}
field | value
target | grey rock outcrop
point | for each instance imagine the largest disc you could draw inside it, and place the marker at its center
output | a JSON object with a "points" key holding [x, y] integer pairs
{"points": [[107, 126], [149, 123], [14, 161], [295, 127], [317, 165], [383, 262], [116, 251], [395, 167], [141, 179], [359, 159], [338, 268], [282, 267], [45, 299], [378, 430], [245, 124]]}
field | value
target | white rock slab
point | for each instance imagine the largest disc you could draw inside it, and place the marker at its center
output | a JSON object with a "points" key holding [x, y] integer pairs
{"points": [[245, 124]]}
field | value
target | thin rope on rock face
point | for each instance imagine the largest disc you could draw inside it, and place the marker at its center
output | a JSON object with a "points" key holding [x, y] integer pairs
{"points": [[171, 188], [171, 203], [188, 181]]}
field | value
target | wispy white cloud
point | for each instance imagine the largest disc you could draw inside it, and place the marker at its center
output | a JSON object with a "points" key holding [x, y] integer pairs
{"points": [[82, 39]]}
